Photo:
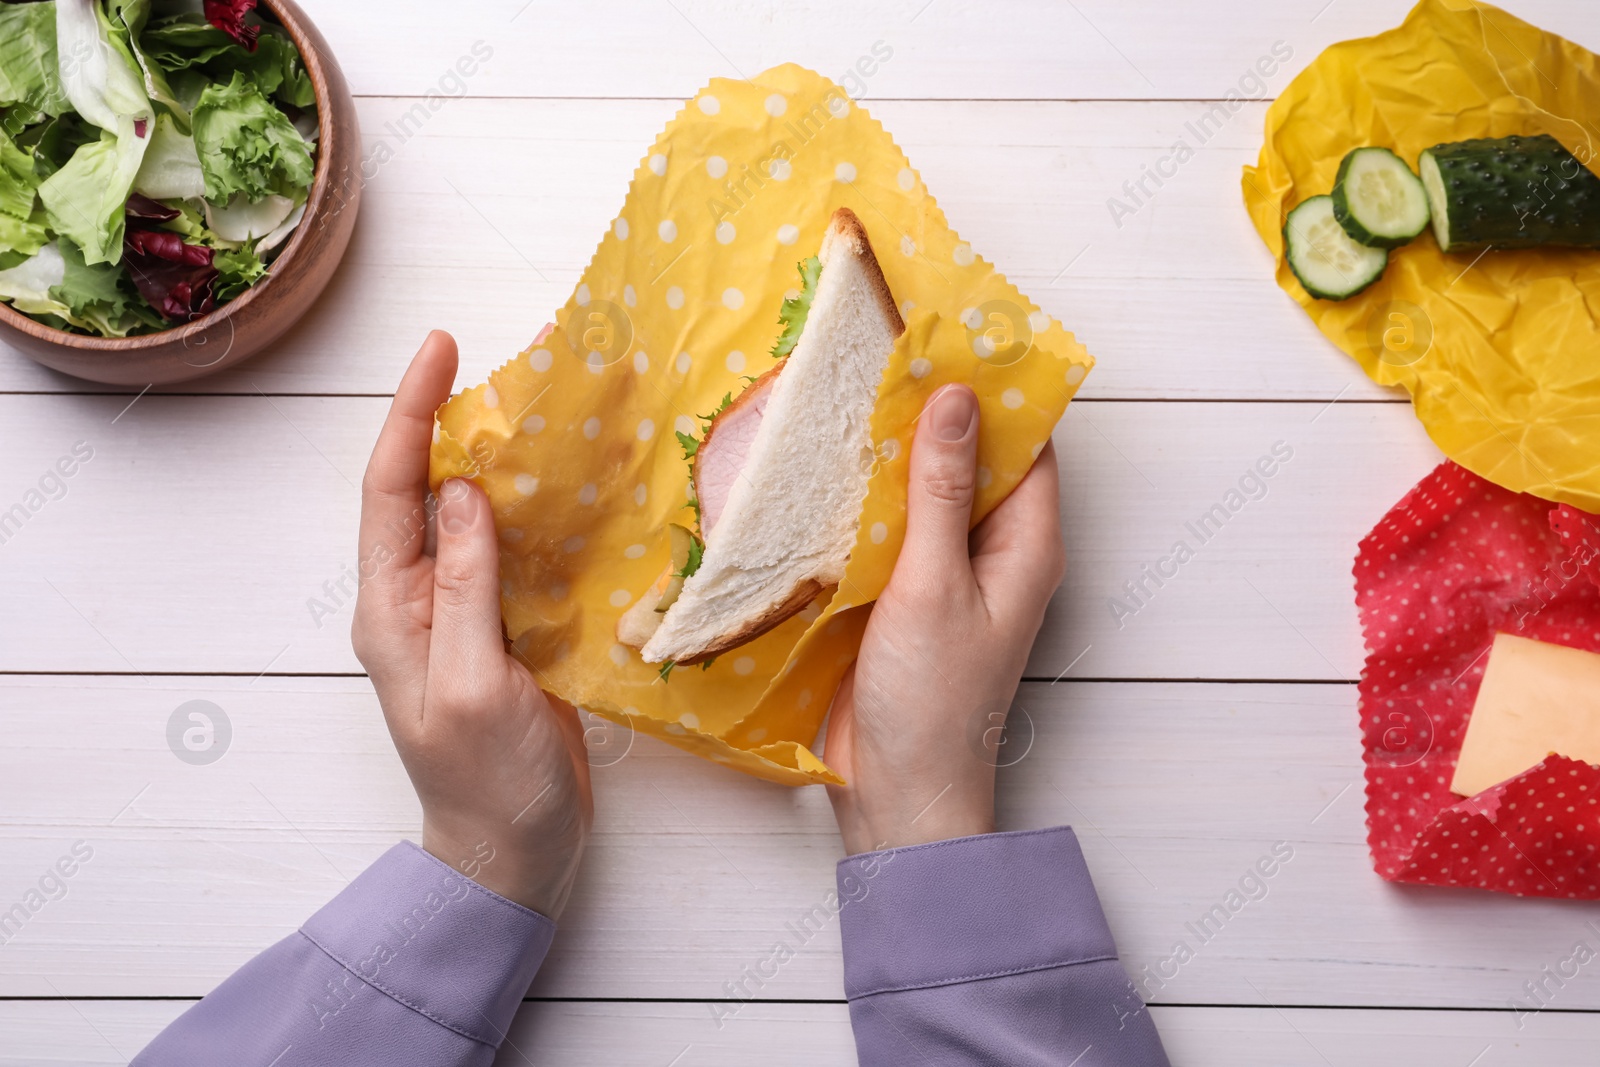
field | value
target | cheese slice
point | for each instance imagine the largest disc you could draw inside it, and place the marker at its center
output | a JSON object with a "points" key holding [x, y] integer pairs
{"points": [[1536, 699]]}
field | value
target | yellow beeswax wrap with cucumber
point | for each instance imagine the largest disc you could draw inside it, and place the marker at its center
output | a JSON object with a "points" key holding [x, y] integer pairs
{"points": [[699, 477], [1431, 197]]}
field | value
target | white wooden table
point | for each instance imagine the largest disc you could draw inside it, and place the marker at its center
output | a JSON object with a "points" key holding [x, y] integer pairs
{"points": [[1183, 744]]}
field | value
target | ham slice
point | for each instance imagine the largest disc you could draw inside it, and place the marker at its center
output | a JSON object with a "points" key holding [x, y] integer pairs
{"points": [[722, 454]]}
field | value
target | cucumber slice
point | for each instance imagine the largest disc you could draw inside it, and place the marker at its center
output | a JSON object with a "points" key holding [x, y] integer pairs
{"points": [[686, 553], [1328, 263], [1510, 192], [1377, 199]]}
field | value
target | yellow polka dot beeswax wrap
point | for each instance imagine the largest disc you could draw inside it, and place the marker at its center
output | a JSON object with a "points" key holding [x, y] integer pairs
{"points": [[575, 440], [1499, 349]]}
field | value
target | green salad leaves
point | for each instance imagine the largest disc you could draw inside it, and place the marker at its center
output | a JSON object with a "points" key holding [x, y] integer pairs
{"points": [[22, 224], [152, 163], [247, 145], [84, 199], [28, 75], [795, 309], [95, 295], [196, 54]]}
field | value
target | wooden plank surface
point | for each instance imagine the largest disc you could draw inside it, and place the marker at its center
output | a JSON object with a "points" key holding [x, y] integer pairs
{"points": [[942, 49], [96, 1033], [1177, 299], [1176, 791], [194, 538]]}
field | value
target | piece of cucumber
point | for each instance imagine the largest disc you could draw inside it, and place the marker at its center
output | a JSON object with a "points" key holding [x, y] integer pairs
{"points": [[687, 550], [1510, 192], [1328, 263], [1377, 199]]}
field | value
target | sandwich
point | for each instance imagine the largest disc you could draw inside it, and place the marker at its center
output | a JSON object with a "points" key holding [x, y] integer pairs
{"points": [[780, 472]]}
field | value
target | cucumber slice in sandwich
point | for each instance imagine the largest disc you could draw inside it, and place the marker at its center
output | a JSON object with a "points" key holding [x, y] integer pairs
{"points": [[781, 473], [641, 620], [1328, 263], [1510, 192], [1377, 199]]}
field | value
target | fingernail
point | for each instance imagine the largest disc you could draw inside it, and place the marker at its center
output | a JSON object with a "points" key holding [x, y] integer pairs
{"points": [[955, 412], [458, 509]]}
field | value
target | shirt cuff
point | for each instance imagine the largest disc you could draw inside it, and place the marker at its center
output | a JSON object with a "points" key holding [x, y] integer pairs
{"points": [[968, 909], [435, 941]]}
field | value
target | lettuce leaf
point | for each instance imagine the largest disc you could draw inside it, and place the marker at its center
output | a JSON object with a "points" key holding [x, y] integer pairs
{"points": [[21, 238], [183, 41], [284, 231], [277, 68], [697, 551], [53, 142], [83, 285], [183, 44], [191, 224], [171, 166], [18, 181], [28, 65], [145, 210], [28, 285], [84, 199], [241, 221], [127, 20], [795, 309], [97, 72], [248, 146], [23, 225], [236, 272], [96, 319]]}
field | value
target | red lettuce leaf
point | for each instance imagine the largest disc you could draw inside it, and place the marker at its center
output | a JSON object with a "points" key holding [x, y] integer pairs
{"points": [[176, 278], [142, 207], [228, 16]]}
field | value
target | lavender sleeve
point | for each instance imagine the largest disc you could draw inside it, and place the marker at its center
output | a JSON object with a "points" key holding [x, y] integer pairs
{"points": [[411, 963], [983, 950]]}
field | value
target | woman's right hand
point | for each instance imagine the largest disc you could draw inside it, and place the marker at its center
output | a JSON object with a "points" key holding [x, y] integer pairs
{"points": [[916, 722]]}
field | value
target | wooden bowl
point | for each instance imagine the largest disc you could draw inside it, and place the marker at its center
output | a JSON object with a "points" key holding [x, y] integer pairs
{"points": [[261, 314]]}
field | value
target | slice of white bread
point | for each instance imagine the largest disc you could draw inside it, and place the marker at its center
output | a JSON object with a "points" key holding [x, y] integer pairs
{"points": [[789, 521]]}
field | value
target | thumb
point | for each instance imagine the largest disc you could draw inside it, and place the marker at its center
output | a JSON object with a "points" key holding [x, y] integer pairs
{"points": [[944, 457], [466, 640]]}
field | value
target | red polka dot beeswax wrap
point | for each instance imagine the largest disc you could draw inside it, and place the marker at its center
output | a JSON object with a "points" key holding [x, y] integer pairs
{"points": [[575, 440], [1497, 349], [1457, 561]]}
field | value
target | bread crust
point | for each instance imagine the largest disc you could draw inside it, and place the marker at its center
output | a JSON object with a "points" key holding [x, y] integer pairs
{"points": [[798, 598], [846, 225]]}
